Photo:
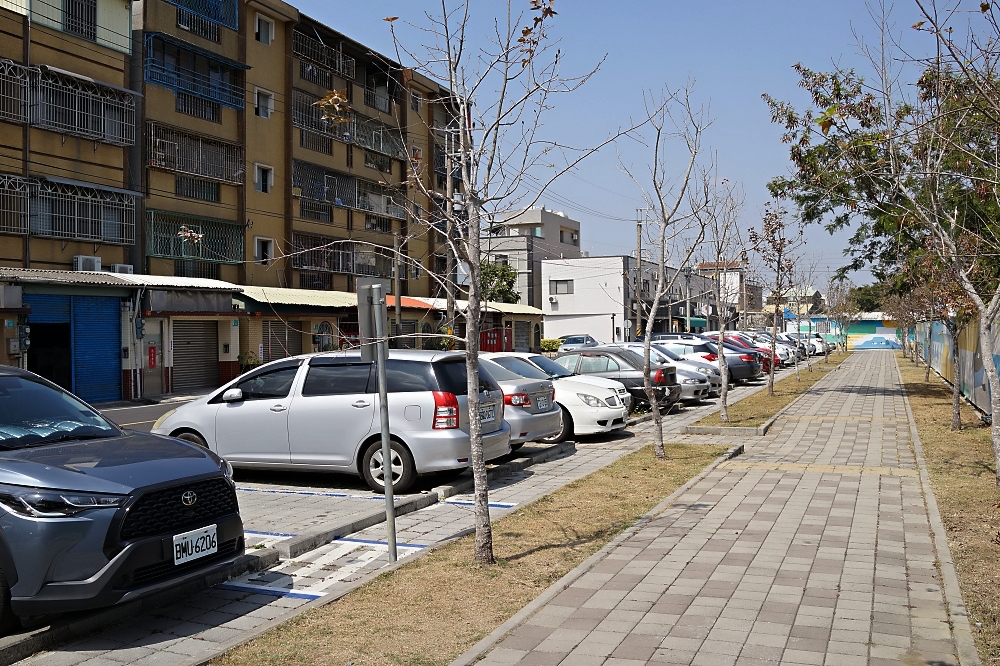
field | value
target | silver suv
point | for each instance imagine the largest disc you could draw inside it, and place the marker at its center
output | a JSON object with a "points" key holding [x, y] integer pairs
{"points": [[320, 412]]}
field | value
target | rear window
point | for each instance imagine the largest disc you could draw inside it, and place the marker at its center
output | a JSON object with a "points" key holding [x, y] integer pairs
{"points": [[519, 366], [573, 341], [498, 372], [408, 377], [337, 379], [451, 377]]}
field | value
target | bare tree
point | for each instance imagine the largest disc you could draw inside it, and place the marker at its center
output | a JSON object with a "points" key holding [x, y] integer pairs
{"points": [[841, 308], [717, 207], [776, 244], [672, 115]]}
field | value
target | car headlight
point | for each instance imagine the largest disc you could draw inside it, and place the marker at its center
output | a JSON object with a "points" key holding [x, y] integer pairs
{"points": [[36, 503], [707, 371], [590, 400], [227, 468], [163, 418], [692, 381]]}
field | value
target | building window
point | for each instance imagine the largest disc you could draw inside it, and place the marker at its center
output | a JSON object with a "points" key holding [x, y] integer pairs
{"points": [[415, 102], [196, 269], [560, 286], [196, 188], [190, 105], [198, 25], [264, 32], [378, 223], [263, 178], [501, 260], [263, 103], [263, 252], [313, 141], [378, 161], [82, 108], [315, 210], [313, 73], [317, 281], [80, 18]]}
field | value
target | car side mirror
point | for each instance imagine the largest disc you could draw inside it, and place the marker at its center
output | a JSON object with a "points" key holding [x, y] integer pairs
{"points": [[232, 395]]}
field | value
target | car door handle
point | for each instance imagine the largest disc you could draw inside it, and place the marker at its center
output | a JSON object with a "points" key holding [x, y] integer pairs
{"points": [[361, 403], [278, 408]]}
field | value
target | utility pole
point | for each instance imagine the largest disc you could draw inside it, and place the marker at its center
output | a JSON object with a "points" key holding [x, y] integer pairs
{"points": [[638, 271], [686, 270], [395, 287]]}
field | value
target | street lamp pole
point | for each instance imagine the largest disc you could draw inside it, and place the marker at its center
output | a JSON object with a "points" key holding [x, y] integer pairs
{"points": [[686, 270]]}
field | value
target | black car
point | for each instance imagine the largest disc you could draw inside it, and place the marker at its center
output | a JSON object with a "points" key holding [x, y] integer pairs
{"points": [[625, 366]]}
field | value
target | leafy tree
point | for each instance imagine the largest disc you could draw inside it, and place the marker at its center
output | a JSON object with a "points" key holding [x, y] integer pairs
{"points": [[498, 282], [868, 297]]}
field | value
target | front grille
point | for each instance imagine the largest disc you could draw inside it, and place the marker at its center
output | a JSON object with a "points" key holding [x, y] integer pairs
{"points": [[167, 568], [161, 511]]}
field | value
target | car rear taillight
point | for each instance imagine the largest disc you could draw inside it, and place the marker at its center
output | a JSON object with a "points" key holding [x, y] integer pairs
{"points": [[747, 358], [445, 410], [658, 377], [710, 357], [517, 399]]}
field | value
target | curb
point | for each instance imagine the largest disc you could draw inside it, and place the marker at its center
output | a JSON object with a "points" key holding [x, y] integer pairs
{"points": [[479, 650], [20, 646], [957, 614]]}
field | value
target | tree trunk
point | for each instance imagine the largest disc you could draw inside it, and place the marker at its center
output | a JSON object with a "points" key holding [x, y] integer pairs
{"points": [[956, 388], [483, 552], [654, 403], [927, 351], [986, 338], [724, 371], [770, 376]]}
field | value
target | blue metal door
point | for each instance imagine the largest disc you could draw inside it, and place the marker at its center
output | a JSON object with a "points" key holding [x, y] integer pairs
{"points": [[97, 338]]}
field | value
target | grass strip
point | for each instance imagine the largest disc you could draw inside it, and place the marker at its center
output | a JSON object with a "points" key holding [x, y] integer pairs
{"points": [[432, 610], [962, 473], [756, 409]]}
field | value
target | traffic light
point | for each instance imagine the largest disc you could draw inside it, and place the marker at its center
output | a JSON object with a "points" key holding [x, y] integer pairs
{"points": [[24, 337], [140, 328]]}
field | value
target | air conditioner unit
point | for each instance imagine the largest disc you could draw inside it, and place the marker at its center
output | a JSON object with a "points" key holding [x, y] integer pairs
{"points": [[82, 262], [553, 299], [122, 268]]}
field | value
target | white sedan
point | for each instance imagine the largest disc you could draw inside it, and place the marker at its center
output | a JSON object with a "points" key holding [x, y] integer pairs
{"points": [[590, 404]]}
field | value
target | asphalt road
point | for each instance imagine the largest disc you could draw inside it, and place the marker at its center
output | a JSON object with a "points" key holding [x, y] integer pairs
{"points": [[140, 417]]}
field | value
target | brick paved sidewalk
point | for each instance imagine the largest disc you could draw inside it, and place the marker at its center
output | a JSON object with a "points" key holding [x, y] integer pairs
{"points": [[814, 548]]}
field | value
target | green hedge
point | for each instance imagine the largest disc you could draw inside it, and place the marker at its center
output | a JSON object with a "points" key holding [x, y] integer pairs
{"points": [[551, 344]]}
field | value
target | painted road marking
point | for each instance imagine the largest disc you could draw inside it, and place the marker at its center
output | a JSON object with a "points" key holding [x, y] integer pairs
{"points": [[493, 505]]}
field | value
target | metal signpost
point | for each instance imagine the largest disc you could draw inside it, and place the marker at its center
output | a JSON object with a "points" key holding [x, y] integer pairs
{"points": [[372, 319]]}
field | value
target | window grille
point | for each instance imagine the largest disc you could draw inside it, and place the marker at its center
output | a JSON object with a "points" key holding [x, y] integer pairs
{"points": [[222, 12], [80, 18], [308, 48], [378, 223], [198, 25], [196, 269], [371, 134], [323, 254], [73, 212], [378, 99], [174, 150], [190, 105], [318, 142], [14, 80], [13, 204], [81, 108], [313, 73], [341, 190], [306, 115], [196, 188], [378, 161], [175, 236], [193, 72], [315, 281], [379, 200], [315, 210]]}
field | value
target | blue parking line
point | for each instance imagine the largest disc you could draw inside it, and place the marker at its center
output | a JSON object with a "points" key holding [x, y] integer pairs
{"points": [[271, 591], [378, 543], [495, 505], [272, 534], [290, 492]]}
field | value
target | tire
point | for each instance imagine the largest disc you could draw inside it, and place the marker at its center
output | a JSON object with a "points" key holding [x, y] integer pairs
{"points": [[404, 471], [193, 438], [566, 421], [8, 621]]}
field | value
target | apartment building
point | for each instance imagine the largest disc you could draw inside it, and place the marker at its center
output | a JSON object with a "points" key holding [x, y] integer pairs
{"points": [[524, 239]]}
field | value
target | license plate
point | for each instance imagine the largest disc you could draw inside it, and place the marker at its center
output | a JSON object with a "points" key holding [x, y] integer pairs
{"points": [[543, 402], [488, 413], [195, 544]]}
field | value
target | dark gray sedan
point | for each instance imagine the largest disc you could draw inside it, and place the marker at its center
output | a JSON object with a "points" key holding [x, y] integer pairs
{"points": [[625, 366], [92, 515]]}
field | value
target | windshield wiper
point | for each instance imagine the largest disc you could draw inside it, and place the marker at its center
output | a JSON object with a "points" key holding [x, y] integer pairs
{"points": [[68, 436]]}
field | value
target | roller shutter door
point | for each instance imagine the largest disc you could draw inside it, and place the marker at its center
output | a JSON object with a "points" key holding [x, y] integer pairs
{"points": [[97, 339], [47, 308], [196, 355], [281, 339]]}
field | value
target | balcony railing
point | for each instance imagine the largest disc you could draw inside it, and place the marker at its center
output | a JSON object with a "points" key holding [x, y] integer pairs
{"points": [[365, 132], [378, 100], [174, 236], [174, 150], [13, 92], [219, 84], [83, 108], [378, 200], [308, 48], [339, 189], [325, 254], [66, 210], [223, 12]]}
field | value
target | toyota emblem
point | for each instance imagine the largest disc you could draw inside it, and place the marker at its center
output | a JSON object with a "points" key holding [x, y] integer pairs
{"points": [[189, 498]]}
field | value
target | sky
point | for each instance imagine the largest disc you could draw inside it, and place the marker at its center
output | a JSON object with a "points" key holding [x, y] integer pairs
{"points": [[733, 50]]}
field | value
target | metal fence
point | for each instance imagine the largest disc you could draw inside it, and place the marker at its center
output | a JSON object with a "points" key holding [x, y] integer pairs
{"points": [[13, 92], [175, 150], [304, 46], [81, 108], [73, 212], [174, 236]]}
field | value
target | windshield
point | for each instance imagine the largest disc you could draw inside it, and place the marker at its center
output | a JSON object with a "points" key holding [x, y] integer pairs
{"points": [[550, 367], [33, 413], [633, 358], [666, 352], [519, 366]]}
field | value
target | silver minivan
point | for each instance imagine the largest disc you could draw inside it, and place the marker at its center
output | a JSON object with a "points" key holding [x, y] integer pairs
{"points": [[320, 413]]}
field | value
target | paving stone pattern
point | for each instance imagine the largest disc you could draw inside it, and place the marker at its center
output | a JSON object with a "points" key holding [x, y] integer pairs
{"points": [[198, 628], [813, 548]]}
